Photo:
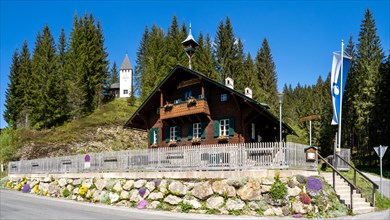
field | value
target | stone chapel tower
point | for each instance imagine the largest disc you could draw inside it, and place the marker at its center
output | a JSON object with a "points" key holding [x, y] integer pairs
{"points": [[126, 76]]}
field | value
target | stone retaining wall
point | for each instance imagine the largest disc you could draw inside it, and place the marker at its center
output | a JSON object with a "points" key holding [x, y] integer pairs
{"points": [[298, 195]]}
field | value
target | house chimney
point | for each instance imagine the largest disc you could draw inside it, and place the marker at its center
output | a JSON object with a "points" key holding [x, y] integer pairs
{"points": [[229, 82], [248, 92]]}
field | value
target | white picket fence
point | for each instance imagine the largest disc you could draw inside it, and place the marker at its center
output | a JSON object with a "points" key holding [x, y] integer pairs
{"points": [[248, 156]]}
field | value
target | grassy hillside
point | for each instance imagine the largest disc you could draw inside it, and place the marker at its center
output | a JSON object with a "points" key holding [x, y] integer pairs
{"points": [[100, 131]]}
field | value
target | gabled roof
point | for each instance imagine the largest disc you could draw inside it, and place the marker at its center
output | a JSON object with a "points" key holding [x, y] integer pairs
{"points": [[115, 86], [262, 107], [126, 65]]}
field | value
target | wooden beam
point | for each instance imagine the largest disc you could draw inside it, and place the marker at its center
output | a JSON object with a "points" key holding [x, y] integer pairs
{"points": [[251, 119], [310, 118], [236, 101]]}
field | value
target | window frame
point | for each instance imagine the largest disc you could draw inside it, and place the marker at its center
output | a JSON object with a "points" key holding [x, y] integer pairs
{"points": [[197, 130], [173, 133], [125, 92], [224, 97], [224, 125]]}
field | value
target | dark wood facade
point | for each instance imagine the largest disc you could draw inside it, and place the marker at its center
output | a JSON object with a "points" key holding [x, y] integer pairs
{"points": [[189, 108]]}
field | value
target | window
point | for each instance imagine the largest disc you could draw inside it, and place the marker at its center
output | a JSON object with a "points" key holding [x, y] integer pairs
{"points": [[224, 127], [173, 133], [197, 129], [125, 92], [253, 131], [224, 97], [158, 111], [187, 95]]}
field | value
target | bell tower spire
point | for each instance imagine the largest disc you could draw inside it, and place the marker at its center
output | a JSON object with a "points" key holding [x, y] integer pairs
{"points": [[189, 46]]}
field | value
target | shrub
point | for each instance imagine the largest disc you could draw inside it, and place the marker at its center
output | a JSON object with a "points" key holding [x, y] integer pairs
{"points": [[8, 185], [45, 193], [18, 187], [278, 189], [237, 181], [65, 193], [36, 189], [185, 207], [105, 198], [26, 188], [83, 191], [305, 198]]}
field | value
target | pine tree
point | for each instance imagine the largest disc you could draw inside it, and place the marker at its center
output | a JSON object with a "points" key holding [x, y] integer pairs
{"points": [[63, 74], [174, 50], [238, 67], [368, 60], [266, 74], [248, 77], [114, 75], [13, 95], [141, 60]]}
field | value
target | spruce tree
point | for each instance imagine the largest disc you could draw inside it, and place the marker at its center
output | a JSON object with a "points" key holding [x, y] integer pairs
{"points": [[203, 60], [266, 74], [114, 75], [26, 86], [140, 61], [368, 60], [13, 95]]}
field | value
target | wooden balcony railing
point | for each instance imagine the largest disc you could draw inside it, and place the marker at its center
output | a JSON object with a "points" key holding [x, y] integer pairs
{"points": [[190, 107]]}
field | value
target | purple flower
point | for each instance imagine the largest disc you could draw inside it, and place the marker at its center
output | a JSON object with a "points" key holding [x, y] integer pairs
{"points": [[297, 215], [26, 188], [157, 183], [301, 179], [56, 194], [314, 184], [141, 192], [290, 184], [142, 204]]}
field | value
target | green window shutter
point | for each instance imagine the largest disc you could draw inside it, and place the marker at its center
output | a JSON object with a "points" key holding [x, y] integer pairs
{"points": [[178, 137], [190, 131], [231, 126], [203, 136], [167, 134], [151, 136], [216, 128]]}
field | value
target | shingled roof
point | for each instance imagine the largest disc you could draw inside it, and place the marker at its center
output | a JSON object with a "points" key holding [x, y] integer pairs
{"points": [[126, 65]]}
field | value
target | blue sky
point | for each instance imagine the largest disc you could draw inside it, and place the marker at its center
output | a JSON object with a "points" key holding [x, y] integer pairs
{"points": [[302, 34]]}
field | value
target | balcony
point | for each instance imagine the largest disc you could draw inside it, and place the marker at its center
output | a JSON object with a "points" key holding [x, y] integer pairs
{"points": [[187, 108]]}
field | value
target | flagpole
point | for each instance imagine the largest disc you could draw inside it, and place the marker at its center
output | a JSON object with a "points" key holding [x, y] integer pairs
{"points": [[341, 96]]}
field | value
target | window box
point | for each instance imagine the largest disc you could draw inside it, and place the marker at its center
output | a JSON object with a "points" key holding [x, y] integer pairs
{"points": [[223, 139], [196, 141], [172, 143], [154, 146], [191, 102], [168, 107]]}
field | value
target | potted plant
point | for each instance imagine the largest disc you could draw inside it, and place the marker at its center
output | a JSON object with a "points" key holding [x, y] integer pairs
{"points": [[154, 145], [191, 101], [196, 141], [172, 143], [223, 139], [168, 106]]}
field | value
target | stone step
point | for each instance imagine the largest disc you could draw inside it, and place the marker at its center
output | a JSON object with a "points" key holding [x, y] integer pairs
{"points": [[347, 192], [363, 210], [347, 200], [347, 195]]}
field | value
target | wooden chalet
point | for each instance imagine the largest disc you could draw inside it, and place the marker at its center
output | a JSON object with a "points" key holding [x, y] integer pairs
{"points": [[189, 108]]}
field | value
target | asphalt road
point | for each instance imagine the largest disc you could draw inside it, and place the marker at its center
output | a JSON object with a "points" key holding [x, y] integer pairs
{"points": [[17, 205], [385, 183]]}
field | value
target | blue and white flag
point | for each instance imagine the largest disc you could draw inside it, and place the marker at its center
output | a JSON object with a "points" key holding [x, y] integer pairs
{"points": [[337, 90]]}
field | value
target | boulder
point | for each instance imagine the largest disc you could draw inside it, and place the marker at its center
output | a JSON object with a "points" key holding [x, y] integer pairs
{"points": [[76, 182], [117, 187], [43, 186], [274, 211], [61, 182], [87, 183], [253, 206], [100, 184], [128, 185], [214, 202], [193, 202], [47, 180], [293, 191], [76, 191], [134, 196], [124, 195], [177, 187], [52, 188], [153, 205], [139, 183], [96, 196], [163, 186], [124, 203], [265, 188], [202, 190], [234, 204], [299, 207], [113, 197], [150, 186], [250, 192], [173, 200], [267, 181], [156, 196], [70, 187], [222, 188]]}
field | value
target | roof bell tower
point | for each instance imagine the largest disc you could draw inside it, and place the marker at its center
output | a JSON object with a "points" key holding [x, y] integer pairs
{"points": [[189, 46]]}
